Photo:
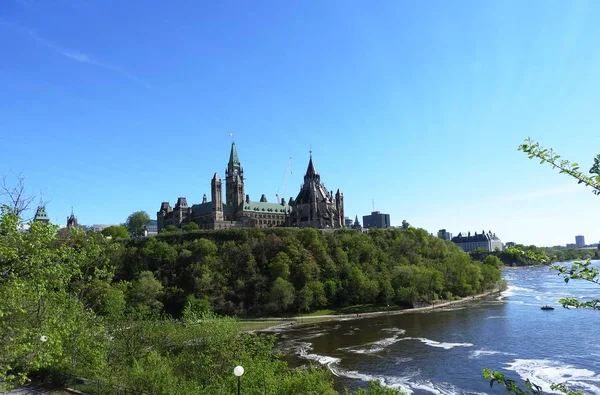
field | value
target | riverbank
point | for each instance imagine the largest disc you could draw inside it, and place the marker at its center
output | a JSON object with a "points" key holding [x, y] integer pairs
{"points": [[277, 323]]}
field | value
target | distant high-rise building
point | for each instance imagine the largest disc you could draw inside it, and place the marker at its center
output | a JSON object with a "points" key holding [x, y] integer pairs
{"points": [[580, 241], [487, 241], [376, 220], [348, 222], [442, 234]]}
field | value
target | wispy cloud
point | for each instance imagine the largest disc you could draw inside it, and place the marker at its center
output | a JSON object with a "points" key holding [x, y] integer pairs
{"points": [[70, 54]]}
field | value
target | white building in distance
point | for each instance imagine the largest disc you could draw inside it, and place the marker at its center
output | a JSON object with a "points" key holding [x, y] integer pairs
{"points": [[487, 241]]}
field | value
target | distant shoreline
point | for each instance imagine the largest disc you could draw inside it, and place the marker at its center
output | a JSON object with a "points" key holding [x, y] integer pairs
{"points": [[294, 322]]}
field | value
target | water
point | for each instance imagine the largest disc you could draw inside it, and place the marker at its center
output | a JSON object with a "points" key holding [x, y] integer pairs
{"points": [[443, 352]]}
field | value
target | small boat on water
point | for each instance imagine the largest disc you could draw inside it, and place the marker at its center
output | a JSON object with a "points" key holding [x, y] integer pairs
{"points": [[547, 307]]}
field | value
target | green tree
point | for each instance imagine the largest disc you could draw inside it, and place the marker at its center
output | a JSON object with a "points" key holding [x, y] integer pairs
{"points": [[191, 227], [171, 228], [136, 223], [116, 232], [405, 224], [42, 325], [145, 292], [282, 294]]}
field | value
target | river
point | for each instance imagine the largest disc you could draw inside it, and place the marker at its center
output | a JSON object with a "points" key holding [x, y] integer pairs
{"points": [[443, 352]]}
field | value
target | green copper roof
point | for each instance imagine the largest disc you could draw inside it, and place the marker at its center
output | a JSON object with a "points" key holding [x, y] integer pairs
{"points": [[233, 156], [266, 208], [40, 214]]}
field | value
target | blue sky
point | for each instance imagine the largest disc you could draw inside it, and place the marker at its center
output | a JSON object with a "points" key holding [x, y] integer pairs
{"points": [[113, 107]]}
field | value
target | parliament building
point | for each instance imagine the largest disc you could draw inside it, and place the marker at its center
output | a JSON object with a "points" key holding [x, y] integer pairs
{"points": [[314, 205]]}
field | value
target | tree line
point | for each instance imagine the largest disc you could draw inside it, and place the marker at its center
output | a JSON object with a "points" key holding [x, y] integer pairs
{"points": [[260, 272]]}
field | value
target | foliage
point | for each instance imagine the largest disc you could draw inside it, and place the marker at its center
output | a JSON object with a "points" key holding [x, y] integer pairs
{"points": [[116, 232], [171, 228], [136, 223], [520, 255], [534, 150], [375, 388], [578, 270], [65, 314], [512, 387], [42, 324], [191, 227], [258, 272]]}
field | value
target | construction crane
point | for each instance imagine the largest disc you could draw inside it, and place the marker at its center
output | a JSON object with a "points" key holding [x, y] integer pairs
{"points": [[284, 181]]}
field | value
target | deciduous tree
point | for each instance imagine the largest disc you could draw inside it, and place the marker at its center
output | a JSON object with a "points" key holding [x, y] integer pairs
{"points": [[136, 223]]}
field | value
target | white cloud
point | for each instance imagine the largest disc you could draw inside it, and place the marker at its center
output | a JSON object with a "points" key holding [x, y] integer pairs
{"points": [[70, 54]]}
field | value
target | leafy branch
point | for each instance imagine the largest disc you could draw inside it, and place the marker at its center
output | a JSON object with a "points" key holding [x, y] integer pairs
{"points": [[534, 150], [512, 387]]}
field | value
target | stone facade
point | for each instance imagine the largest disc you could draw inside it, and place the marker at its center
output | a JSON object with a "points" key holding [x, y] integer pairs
{"points": [[488, 241], [238, 211], [315, 206]]}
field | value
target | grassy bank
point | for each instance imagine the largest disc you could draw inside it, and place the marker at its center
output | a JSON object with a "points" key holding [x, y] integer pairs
{"points": [[358, 312]]}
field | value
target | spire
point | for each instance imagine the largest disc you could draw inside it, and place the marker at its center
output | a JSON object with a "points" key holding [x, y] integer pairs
{"points": [[234, 161], [310, 170]]}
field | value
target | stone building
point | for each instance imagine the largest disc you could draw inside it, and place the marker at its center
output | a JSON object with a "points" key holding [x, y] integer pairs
{"points": [[72, 220], [488, 241], [237, 211], [41, 215], [315, 206]]}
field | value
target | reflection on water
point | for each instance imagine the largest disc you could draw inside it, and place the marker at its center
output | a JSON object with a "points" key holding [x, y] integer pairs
{"points": [[443, 352]]}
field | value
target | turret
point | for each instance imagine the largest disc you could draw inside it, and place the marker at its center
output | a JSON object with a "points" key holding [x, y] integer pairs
{"points": [[339, 204], [217, 197], [204, 198], [72, 220], [40, 215]]}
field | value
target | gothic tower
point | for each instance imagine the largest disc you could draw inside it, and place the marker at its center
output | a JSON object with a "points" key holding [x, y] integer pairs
{"points": [[339, 204], [217, 198], [72, 220], [234, 181], [315, 206]]}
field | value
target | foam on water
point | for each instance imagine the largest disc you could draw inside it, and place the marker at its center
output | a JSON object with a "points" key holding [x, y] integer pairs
{"points": [[512, 290], [314, 335], [482, 353], [433, 343], [496, 317], [544, 372], [325, 360], [407, 383], [376, 346], [403, 360]]}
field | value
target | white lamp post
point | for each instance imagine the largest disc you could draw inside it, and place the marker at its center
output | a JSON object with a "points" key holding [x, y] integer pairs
{"points": [[238, 371]]}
